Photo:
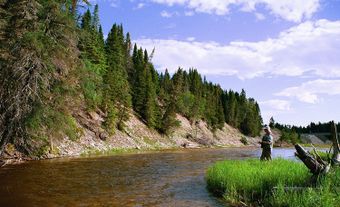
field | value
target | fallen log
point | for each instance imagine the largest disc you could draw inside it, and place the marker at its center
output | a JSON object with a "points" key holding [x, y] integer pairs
{"points": [[311, 163], [315, 164]]}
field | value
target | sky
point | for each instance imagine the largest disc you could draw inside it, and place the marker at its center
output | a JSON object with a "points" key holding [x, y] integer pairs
{"points": [[284, 53]]}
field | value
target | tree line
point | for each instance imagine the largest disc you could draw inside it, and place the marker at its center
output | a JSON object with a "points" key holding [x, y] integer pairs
{"points": [[129, 79], [293, 133], [53, 60]]}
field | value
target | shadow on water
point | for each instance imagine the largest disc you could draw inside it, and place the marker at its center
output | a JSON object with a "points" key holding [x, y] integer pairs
{"points": [[171, 178]]}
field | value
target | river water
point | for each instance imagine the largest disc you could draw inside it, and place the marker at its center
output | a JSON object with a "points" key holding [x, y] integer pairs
{"points": [[167, 178]]}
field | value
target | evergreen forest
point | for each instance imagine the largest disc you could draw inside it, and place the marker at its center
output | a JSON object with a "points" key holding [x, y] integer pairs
{"points": [[54, 61]]}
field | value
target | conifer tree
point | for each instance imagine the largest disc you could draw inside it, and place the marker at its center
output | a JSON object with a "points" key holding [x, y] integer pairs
{"points": [[95, 22], [91, 45], [117, 89], [39, 35]]}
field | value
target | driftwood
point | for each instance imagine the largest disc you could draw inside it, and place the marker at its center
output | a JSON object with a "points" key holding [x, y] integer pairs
{"points": [[336, 149], [315, 164]]}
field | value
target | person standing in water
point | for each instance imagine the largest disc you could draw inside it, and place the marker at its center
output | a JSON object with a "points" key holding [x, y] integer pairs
{"points": [[267, 144]]}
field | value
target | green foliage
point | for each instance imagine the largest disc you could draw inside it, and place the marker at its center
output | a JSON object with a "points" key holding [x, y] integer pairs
{"points": [[289, 135], [48, 63], [324, 155], [55, 124], [91, 83], [144, 87], [325, 194], [91, 45], [169, 120], [244, 140], [186, 103], [253, 180], [110, 121], [262, 184], [39, 50], [117, 97]]}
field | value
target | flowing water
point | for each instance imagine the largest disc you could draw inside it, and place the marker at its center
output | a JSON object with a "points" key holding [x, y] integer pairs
{"points": [[167, 178]]}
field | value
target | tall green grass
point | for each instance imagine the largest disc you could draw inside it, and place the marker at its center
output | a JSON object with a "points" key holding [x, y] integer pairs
{"points": [[262, 183]]}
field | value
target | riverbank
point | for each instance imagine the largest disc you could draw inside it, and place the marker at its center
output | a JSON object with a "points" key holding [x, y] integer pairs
{"points": [[135, 137], [276, 183]]}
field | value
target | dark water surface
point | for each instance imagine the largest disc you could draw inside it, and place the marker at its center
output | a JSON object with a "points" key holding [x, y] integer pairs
{"points": [[168, 178]]}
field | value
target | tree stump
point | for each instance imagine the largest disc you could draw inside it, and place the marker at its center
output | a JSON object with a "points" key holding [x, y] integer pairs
{"points": [[316, 165]]}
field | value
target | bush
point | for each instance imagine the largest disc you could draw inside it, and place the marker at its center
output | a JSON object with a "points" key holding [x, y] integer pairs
{"points": [[244, 140]]}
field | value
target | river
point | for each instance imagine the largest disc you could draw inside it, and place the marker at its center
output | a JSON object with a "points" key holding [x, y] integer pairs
{"points": [[167, 178]]}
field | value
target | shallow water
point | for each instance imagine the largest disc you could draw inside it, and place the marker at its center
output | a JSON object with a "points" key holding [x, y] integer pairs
{"points": [[168, 178]]}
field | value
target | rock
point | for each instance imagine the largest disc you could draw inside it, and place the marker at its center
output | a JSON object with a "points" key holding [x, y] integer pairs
{"points": [[103, 136], [94, 116], [185, 145], [2, 163]]}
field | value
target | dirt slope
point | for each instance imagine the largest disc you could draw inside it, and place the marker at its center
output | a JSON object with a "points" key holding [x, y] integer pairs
{"points": [[137, 135]]}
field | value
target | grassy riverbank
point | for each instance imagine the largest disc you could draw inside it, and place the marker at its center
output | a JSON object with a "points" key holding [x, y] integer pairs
{"points": [[262, 184]]}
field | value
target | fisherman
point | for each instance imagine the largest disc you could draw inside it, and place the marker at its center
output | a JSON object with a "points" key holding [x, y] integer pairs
{"points": [[267, 144]]}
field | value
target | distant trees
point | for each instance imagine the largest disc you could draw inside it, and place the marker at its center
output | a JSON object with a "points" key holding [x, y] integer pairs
{"points": [[311, 128], [292, 133]]}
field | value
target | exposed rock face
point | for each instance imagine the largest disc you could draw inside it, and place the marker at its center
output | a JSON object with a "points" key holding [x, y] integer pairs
{"points": [[136, 135]]}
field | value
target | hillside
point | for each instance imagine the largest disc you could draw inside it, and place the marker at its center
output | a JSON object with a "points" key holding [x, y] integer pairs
{"points": [[136, 135], [66, 90]]}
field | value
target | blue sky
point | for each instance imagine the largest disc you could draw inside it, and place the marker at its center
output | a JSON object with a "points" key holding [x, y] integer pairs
{"points": [[284, 53]]}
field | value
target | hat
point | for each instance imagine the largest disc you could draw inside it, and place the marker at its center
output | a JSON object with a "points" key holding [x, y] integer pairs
{"points": [[266, 127]]}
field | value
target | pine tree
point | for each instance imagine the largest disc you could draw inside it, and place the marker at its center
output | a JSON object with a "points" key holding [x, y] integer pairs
{"points": [[95, 22], [271, 122], [92, 49], [117, 89], [39, 34], [149, 108], [169, 120]]}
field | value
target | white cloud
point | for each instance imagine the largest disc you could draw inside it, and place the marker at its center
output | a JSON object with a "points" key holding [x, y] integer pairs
{"points": [[140, 6], [291, 10], [276, 104], [310, 48], [167, 14], [309, 92], [274, 107], [190, 39], [259, 16]]}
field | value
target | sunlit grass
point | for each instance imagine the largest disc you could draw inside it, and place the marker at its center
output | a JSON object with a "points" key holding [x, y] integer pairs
{"points": [[262, 183]]}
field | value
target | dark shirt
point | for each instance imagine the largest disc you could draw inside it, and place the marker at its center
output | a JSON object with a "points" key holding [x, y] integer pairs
{"points": [[267, 138]]}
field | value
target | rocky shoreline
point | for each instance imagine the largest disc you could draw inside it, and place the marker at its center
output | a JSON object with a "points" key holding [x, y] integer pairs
{"points": [[135, 137]]}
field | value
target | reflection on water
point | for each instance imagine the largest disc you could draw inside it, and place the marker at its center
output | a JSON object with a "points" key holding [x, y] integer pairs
{"points": [[171, 178]]}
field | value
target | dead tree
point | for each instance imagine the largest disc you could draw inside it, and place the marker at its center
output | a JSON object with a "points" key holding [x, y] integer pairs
{"points": [[336, 149], [315, 164]]}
